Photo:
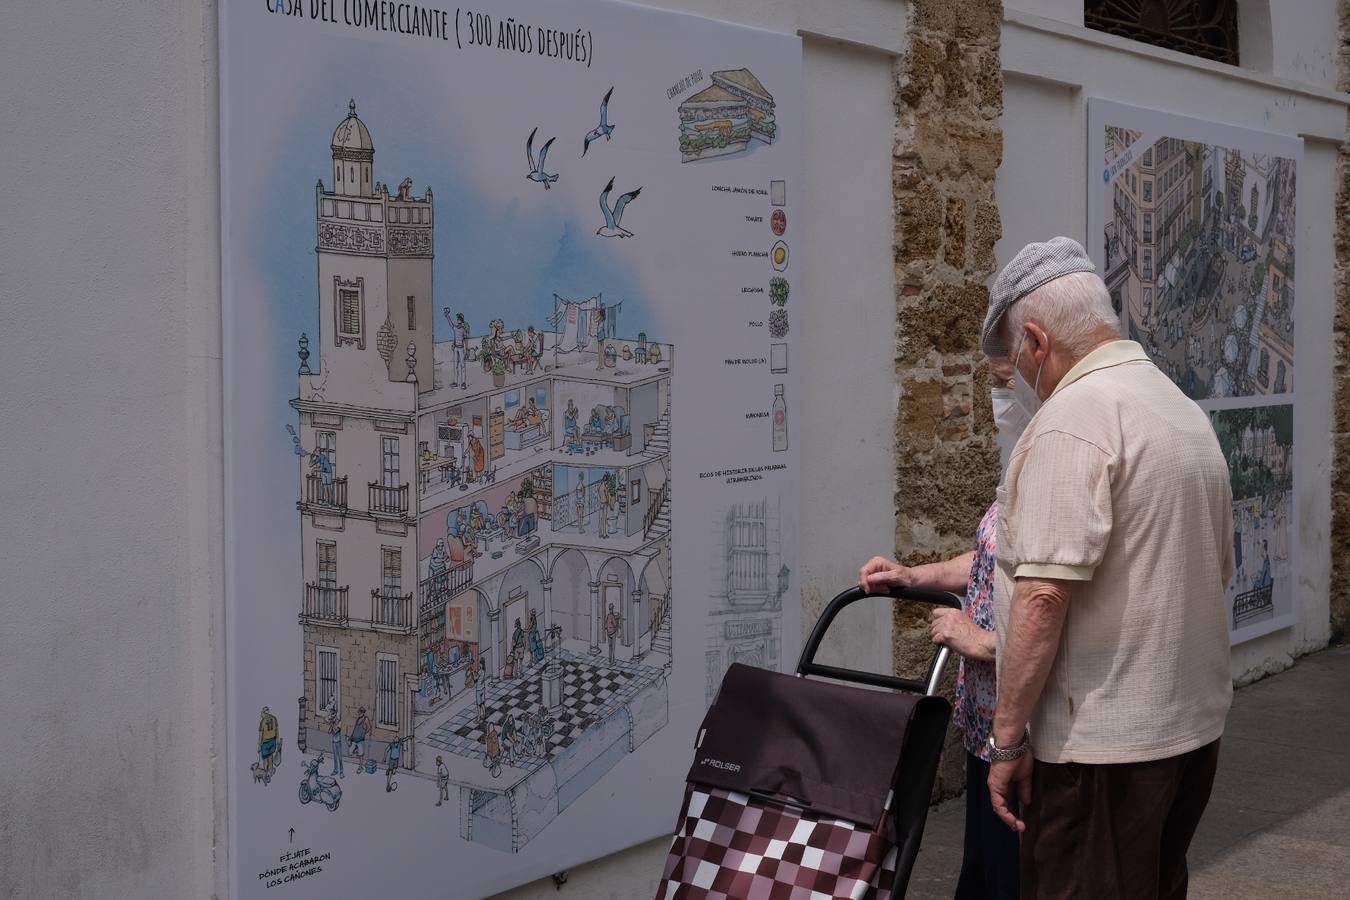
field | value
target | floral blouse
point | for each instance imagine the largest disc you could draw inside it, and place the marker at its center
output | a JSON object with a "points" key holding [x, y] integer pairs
{"points": [[975, 682]]}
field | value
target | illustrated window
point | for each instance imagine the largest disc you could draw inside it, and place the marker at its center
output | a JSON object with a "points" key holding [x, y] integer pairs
{"points": [[391, 570], [349, 311], [327, 568], [386, 692], [326, 677], [389, 474], [412, 313]]}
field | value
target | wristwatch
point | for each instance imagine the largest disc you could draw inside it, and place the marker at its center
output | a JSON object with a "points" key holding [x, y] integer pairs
{"points": [[999, 754]]}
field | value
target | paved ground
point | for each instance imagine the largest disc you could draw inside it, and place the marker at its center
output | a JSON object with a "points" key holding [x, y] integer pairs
{"points": [[1278, 824]]}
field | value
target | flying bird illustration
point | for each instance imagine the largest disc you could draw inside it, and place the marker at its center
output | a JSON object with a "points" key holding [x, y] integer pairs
{"points": [[604, 129], [614, 216], [537, 172]]}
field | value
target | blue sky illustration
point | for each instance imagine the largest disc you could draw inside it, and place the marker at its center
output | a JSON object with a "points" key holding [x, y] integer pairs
{"points": [[494, 258]]}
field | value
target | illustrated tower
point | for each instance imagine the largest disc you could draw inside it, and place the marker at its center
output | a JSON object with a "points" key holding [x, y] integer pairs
{"points": [[357, 420]]}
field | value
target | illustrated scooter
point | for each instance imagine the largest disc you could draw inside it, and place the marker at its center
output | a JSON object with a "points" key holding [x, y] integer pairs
{"points": [[321, 788]]}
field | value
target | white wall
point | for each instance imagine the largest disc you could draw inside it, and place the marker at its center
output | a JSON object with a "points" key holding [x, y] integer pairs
{"points": [[109, 397], [1051, 71]]}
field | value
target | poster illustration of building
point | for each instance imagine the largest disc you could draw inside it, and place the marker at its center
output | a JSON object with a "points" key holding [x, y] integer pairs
{"points": [[497, 351], [1193, 226]]}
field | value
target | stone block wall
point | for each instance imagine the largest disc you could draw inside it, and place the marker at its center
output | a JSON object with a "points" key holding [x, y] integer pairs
{"points": [[948, 147]]}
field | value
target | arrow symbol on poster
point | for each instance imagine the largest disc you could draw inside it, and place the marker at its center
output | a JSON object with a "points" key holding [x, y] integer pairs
{"points": [[292, 835]]}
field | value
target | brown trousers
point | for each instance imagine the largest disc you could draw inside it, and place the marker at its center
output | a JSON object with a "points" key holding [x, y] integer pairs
{"points": [[1114, 832]]}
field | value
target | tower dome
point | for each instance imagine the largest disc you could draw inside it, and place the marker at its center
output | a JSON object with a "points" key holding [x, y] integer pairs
{"points": [[353, 156], [352, 134]]}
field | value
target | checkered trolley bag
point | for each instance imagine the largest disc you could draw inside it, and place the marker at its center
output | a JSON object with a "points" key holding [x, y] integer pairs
{"points": [[804, 789]]}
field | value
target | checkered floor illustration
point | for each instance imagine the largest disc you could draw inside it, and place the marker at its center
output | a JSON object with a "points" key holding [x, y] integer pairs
{"points": [[591, 690]]}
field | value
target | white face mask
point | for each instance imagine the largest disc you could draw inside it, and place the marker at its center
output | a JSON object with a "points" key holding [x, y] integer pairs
{"points": [[1028, 395], [1011, 418]]}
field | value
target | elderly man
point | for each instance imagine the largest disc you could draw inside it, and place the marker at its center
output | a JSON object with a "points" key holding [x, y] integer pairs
{"points": [[1114, 553]]}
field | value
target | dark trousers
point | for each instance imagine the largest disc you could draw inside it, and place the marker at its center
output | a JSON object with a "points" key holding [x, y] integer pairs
{"points": [[989, 862], [1114, 832]]}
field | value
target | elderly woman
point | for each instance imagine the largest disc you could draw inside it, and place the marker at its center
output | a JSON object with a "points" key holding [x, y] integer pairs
{"points": [[990, 865]]}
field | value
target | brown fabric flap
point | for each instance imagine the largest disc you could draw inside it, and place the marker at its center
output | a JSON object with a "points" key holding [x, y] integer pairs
{"points": [[830, 747]]}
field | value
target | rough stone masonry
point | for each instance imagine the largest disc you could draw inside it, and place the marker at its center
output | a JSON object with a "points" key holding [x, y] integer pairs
{"points": [[948, 146], [1340, 478]]}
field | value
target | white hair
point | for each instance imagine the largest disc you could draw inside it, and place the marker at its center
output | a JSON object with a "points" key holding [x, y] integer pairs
{"points": [[1075, 311]]}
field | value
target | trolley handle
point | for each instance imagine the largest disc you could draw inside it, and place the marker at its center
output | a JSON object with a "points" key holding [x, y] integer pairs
{"points": [[808, 666]]}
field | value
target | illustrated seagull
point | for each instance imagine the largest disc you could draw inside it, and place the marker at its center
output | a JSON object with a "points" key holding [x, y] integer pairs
{"points": [[604, 129], [537, 172], [614, 216]]}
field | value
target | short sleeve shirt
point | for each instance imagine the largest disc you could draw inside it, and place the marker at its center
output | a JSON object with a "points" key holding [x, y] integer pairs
{"points": [[1118, 485]]}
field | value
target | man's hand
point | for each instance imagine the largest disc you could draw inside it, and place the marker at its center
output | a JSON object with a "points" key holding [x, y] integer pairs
{"points": [[1006, 781], [954, 629], [880, 574]]}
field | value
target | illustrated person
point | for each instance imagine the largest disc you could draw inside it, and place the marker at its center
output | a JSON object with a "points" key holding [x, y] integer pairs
{"points": [[1264, 579], [598, 332], [579, 500], [479, 456], [989, 866], [439, 566], [321, 463], [459, 347], [392, 754], [613, 621], [479, 680], [492, 751], [571, 434], [518, 646], [1113, 559], [533, 349], [268, 736], [536, 643], [335, 734], [442, 782], [509, 738], [360, 734], [606, 504]]}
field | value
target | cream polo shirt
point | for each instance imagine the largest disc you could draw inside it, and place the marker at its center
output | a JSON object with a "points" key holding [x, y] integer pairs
{"points": [[1118, 485]]}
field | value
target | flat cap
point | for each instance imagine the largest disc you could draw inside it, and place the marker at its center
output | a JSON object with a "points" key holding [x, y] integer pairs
{"points": [[1035, 265]]}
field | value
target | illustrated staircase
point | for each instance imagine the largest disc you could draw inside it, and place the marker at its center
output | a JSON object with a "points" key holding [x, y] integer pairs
{"points": [[661, 524], [659, 445], [661, 643]]}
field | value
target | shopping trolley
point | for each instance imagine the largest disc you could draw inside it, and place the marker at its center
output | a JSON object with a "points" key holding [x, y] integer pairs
{"points": [[802, 788]]}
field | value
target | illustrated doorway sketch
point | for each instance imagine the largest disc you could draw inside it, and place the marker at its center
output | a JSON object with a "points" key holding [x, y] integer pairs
{"points": [[745, 619]]}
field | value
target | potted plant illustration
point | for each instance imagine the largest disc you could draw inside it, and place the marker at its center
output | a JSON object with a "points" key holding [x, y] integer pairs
{"points": [[498, 370]]}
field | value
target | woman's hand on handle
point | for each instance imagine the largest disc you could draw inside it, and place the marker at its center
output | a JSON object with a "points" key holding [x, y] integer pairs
{"points": [[881, 574]]}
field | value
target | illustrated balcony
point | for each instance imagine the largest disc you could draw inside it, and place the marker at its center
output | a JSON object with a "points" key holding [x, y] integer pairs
{"points": [[325, 605], [388, 501], [436, 591], [322, 496], [391, 611]]}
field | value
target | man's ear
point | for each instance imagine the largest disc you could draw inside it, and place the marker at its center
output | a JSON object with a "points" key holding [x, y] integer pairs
{"points": [[1038, 342]]}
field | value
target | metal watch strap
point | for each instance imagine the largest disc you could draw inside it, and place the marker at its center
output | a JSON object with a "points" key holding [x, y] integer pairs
{"points": [[1010, 754]]}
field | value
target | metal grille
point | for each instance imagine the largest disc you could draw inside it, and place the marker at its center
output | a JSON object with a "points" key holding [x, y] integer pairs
{"points": [[328, 676], [386, 697], [1204, 28]]}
